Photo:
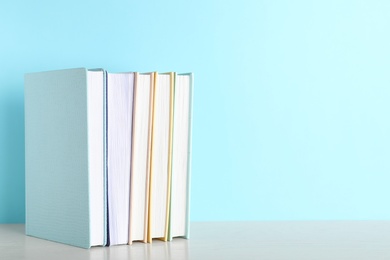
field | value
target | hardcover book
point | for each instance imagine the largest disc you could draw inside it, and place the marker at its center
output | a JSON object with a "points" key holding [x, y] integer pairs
{"points": [[108, 156], [64, 146], [161, 152], [181, 157]]}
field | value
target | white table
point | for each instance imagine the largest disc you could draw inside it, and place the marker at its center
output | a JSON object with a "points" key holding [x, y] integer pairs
{"points": [[335, 240]]}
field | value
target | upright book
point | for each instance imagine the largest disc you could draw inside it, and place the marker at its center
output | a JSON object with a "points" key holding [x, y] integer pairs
{"points": [[64, 149], [141, 155], [108, 156], [161, 152], [119, 139], [181, 157]]}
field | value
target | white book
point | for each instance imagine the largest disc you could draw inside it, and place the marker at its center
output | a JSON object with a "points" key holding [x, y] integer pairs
{"points": [[119, 128], [181, 157], [159, 200], [140, 163]]}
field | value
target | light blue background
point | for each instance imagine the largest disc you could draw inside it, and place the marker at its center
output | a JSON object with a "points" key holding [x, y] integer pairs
{"points": [[292, 98]]}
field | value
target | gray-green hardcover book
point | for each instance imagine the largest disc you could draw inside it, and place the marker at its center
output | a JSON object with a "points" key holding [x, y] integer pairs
{"points": [[65, 156]]}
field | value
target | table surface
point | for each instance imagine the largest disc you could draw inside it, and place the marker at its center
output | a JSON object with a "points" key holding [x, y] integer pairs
{"points": [[225, 240]]}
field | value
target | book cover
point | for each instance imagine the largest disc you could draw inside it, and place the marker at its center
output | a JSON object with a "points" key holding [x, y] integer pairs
{"points": [[57, 151]]}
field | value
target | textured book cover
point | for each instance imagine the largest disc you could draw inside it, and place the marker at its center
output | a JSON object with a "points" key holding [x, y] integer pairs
{"points": [[57, 163]]}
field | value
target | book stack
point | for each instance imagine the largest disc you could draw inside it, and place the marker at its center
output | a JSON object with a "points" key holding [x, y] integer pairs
{"points": [[108, 156]]}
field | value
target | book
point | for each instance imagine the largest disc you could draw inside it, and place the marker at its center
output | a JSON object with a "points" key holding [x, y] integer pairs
{"points": [[108, 156], [64, 153], [140, 162], [181, 157], [161, 151], [119, 138]]}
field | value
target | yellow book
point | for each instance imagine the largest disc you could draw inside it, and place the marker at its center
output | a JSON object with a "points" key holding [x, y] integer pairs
{"points": [[141, 155], [161, 157]]}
